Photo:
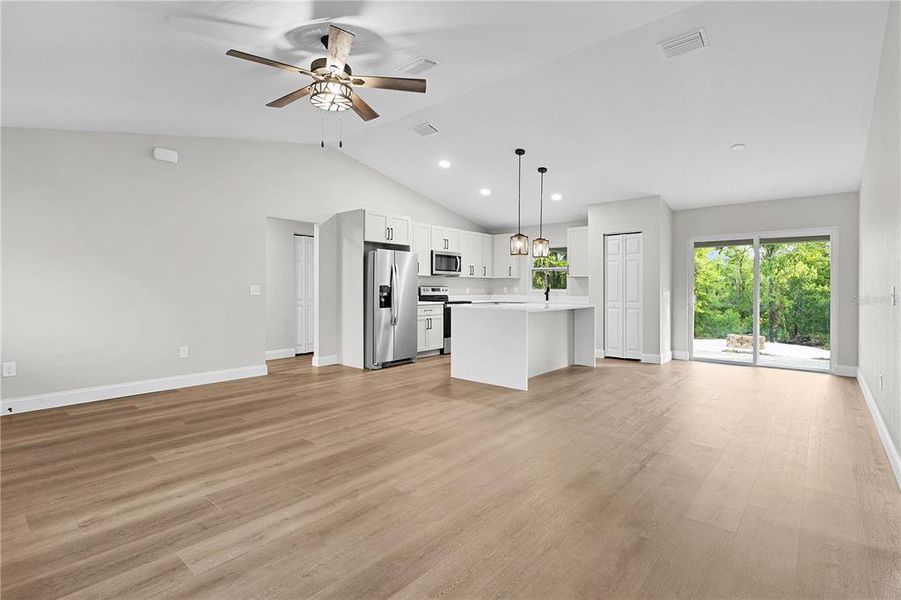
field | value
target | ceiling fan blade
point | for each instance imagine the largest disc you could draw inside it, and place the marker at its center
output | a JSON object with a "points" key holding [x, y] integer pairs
{"points": [[289, 98], [268, 62], [339, 43], [390, 83], [361, 108]]}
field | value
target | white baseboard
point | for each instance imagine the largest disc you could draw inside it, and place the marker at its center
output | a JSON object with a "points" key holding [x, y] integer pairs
{"points": [[119, 390], [653, 359], [666, 357], [845, 370], [283, 353], [893, 458], [680, 355], [599, 353], [324, 361]]}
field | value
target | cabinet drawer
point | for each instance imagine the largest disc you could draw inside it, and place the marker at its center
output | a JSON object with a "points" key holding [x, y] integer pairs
{"points": [[430, 311]]}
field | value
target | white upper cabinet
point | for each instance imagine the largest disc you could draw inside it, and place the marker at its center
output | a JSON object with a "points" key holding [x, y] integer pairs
{"points": [[444, 238], [422, 246], [387, 229], [505, 265], [471, 250], [487, 255], [577, 251]]}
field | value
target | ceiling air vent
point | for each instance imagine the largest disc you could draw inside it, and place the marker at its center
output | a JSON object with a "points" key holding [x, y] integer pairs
{"points": [[682, 44], [418, 65], [425, 129]]}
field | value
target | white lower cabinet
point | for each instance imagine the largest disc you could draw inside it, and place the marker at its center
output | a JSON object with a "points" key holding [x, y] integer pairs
{"points": [[430, 328]]}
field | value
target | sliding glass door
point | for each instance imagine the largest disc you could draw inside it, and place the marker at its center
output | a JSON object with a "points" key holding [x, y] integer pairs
{"points": [[724, 301], [795, 290], [763, 301]]}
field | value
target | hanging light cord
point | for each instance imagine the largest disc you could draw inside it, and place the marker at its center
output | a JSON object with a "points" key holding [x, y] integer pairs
{"points": [[519, 199], [541, 206]]}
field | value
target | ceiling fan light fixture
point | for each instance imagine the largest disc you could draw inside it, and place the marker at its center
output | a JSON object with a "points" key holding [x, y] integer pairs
{"points": [[331, 96]]}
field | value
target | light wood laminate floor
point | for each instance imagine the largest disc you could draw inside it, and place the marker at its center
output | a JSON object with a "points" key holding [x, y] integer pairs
{"points": [[688, 479]]}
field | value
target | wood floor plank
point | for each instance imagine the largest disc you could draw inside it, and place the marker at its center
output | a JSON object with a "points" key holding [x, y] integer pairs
{"points": [[625, 481]]}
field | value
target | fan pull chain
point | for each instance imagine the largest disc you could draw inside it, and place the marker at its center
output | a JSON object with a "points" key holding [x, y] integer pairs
{"points": [[322, 133], [340, 133]]}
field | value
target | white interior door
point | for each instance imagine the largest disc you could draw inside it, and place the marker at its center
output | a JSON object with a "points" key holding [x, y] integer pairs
{"points": [[622, 295], [632, 295], [303, 293], [613, 296]]}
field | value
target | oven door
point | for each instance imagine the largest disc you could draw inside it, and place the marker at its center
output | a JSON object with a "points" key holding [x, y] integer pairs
{"points": [[446, 263]]}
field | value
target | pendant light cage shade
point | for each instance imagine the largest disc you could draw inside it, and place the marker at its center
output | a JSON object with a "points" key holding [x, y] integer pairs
{"points": [[541, 248], [519, 245]]}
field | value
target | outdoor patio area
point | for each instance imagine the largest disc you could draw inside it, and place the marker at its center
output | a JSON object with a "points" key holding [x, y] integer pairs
{"points": [[774, 354]]}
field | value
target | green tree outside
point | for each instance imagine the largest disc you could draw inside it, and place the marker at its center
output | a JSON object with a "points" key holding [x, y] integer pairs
{"points": [[794, 292]]}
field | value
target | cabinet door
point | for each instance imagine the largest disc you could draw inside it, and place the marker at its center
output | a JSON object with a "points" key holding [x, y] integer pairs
{"points": [[577, 251], [439, 238], [376, 228], [471, 250], [422, 334], [399, 230], [422, 246], [505, 265], [487, 255], [435, 333]]}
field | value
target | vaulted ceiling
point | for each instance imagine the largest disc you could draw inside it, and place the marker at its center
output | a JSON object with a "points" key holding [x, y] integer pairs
{"points": [[582, 86]]}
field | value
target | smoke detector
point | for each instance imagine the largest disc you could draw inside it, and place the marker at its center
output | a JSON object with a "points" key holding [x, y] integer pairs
{"points": [[418, 65], [425, 129], [685, 43]]}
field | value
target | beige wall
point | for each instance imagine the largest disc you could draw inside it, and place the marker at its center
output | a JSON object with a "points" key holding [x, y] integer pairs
{"points": [[279, 290], [835, 210], [880, 241], [112, 260]]}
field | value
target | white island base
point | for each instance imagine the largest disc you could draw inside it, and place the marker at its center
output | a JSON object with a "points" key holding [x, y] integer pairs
{"points": [[506, 344]]}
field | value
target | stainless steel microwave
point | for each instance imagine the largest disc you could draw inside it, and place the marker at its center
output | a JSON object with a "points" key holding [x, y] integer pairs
{"points": [[446, 263]]}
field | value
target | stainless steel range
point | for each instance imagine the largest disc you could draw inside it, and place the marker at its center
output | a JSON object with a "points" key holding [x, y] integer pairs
{"points": [[440, 294]]}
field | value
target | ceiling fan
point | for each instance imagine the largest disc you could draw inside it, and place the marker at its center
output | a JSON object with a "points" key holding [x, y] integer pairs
{"points": [[332, 88]]}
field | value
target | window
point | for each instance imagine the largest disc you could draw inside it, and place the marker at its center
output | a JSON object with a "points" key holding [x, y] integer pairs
{"points": [[552, 269]]}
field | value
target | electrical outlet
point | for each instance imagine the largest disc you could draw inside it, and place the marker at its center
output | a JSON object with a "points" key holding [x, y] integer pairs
{"points": [[256, 289], [182, 352], [881, 383], [9, 369]]}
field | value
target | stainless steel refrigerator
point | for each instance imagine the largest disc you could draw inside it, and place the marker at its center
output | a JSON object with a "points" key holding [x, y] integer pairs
{"points": [[390, 307]]}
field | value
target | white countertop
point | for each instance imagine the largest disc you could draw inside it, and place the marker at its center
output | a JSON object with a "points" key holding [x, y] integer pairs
{"points": [[529, 298], [430, 303], [525, 307]]}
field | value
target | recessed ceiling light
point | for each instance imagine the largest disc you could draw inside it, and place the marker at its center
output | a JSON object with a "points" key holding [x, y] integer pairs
{"points": [[738, 147], [485, 192], [444, 164], [557, 197]]}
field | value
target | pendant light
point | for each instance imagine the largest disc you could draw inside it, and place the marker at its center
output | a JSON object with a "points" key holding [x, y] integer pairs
{"points": [[541, 247], [519, 243]]}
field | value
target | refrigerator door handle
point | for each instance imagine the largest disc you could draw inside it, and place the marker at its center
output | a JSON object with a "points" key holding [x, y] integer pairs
{"points": [[395, 296]]}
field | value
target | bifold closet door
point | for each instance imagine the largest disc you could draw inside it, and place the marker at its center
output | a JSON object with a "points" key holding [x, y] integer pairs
{"points": [[303, 288], [622, 295]]}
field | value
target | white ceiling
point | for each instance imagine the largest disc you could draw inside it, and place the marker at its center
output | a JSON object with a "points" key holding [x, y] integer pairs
{"points": [[581, 85]]}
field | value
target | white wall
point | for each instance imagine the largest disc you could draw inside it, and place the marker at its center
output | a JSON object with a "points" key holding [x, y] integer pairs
{"points": [[278, 289], [834, 210], [112, 260], [880, 242], [650, 216]]}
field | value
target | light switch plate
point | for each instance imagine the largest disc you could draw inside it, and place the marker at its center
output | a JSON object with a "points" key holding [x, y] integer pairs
{"points": [[9, 369], [183, 352], [255, 289]]}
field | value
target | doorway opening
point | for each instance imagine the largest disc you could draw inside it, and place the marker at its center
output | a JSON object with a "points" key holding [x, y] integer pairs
{"points": [[289, 294], [764, 300]]}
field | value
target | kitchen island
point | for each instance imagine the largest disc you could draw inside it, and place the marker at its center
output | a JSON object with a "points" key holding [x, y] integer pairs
{"points": [[506, 344]]}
